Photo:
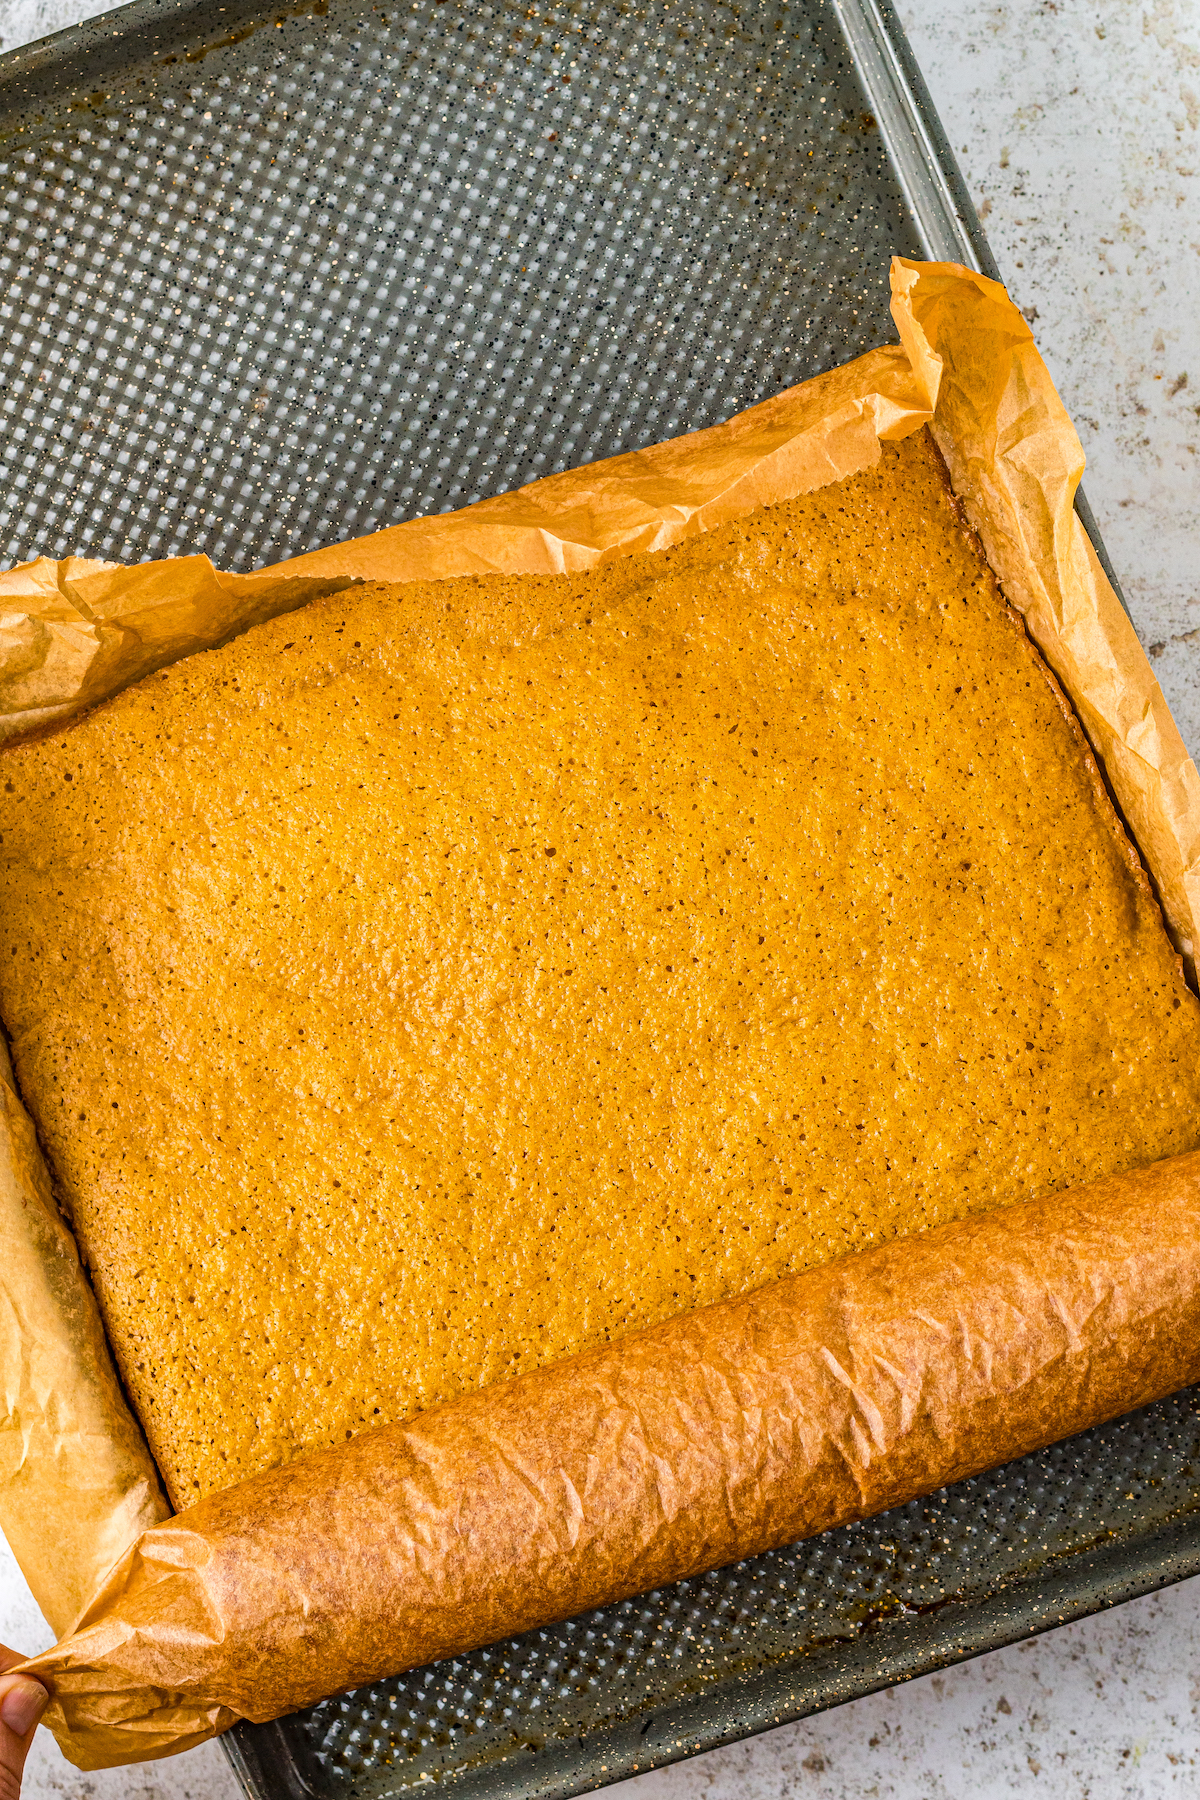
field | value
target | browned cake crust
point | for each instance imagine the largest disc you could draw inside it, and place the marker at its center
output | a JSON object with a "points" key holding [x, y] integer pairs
{"points": [[448, 978]]}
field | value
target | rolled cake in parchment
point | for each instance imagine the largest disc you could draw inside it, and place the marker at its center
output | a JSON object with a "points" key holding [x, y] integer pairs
{"points": [[821, 1398]]}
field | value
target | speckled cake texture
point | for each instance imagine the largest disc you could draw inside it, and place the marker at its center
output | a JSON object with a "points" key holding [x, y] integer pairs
{"points": [[448, 977]]}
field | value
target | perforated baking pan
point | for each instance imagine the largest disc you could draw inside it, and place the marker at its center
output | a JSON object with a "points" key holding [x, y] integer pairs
{"points": [[272, 279]]}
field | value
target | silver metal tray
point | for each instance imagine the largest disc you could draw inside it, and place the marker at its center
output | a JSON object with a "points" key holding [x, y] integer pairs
{"points": [[269, 279]]}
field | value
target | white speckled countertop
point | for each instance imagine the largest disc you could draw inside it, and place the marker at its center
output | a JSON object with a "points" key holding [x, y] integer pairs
{"points": [[1077, 126]]}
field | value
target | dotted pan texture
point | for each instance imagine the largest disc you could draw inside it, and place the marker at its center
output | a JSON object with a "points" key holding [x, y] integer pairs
{"points": [[383, 261], [270, 279], [643, 1682]]}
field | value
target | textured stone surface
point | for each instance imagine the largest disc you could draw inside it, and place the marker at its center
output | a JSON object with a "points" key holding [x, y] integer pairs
{"points": [[1078, 129]]}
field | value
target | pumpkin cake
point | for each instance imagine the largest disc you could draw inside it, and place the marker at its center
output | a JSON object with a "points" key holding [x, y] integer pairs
{"points": [[446, 977]]}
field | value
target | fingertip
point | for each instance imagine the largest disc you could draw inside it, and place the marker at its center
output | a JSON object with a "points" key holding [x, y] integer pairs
{"points": [[22, 1703]]}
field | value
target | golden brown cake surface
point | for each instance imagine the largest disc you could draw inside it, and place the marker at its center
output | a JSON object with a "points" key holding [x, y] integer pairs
{"points": [[443, 978]]}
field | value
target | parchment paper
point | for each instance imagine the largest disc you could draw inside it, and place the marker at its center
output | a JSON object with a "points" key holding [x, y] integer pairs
{"points": [[75, 631], [1016, 462], [72, 632], [76, 1479]]}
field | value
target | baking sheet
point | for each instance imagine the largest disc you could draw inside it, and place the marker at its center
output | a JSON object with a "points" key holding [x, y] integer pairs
{"points": [[336, 267], [866, 207], [967, 359]]}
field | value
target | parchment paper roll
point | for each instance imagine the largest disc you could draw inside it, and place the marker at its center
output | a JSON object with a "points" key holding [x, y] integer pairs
{"points": [[819, 1399]]}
